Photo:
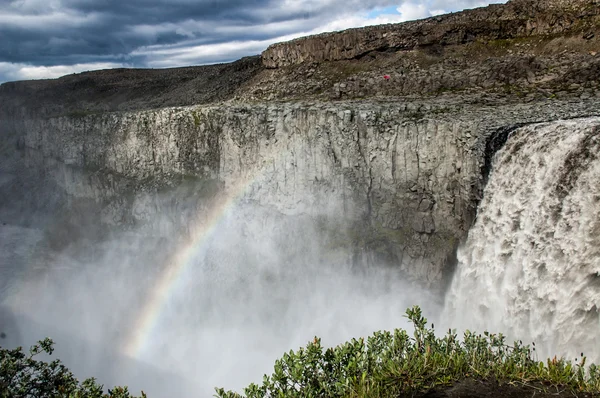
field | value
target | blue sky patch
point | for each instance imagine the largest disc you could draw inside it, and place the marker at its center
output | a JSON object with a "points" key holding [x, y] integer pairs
{"points": [[391, 10]]}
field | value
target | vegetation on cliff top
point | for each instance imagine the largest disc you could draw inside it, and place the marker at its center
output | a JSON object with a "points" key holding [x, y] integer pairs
{"points": [[24, 376], [394, 364], [386, 364]]}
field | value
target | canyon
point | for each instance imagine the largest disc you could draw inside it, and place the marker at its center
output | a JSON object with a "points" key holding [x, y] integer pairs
{"points": [[308, 139]]}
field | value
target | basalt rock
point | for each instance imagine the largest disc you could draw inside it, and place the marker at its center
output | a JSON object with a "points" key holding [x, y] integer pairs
{"points": [[393, 168], [517, 19]]}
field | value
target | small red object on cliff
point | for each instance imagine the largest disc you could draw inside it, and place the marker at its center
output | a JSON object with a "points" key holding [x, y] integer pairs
{"points": [[386, 77]]}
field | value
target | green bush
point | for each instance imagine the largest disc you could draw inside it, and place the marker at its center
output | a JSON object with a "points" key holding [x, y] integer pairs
{"points": [[387, 364], [22, 375], [391, 364]]}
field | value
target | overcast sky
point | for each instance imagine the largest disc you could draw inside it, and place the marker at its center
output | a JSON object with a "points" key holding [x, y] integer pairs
{"points": [[51, 38]]}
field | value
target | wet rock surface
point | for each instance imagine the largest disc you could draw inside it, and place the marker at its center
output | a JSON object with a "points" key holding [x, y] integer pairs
{"points": [[405, 177]]}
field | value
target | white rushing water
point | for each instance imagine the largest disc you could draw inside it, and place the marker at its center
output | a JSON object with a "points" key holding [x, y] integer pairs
{"points": [[530, 267]]}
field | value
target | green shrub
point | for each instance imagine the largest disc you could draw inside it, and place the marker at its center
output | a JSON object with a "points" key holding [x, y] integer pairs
{"points": [[387, 364], [22, 375], [391, 364]]}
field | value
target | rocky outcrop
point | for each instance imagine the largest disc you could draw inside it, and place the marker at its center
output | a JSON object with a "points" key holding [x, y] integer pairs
{"points": [[517, 19], [524, 50]]}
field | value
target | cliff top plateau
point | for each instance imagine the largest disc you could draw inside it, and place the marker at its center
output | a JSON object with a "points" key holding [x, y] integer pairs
{"points": [[524, 50]]}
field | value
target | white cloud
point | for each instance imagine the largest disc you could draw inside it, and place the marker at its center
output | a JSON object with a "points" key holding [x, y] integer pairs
{"points": [[172, 56], [12, 71], [437, 12], [358, 21], [411, 11]]}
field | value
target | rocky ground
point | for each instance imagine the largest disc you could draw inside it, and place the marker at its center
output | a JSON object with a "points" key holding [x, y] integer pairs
{"points": [[128, 89], [519, 52], [471, 388], [519, 70]]}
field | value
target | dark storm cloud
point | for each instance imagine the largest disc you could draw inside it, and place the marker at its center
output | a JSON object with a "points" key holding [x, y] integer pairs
{"points": [[41, 33], [70, 34]]}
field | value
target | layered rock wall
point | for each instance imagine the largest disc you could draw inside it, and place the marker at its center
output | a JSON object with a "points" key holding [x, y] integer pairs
{"points": [[517, 19], [403, 179], [396, 177]]}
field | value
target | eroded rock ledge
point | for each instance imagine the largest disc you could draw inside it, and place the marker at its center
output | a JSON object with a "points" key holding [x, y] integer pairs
{"points": [[516, 19]]}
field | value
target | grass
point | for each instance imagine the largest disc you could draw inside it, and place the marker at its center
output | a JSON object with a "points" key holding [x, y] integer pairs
{"points": [[393, 364]]}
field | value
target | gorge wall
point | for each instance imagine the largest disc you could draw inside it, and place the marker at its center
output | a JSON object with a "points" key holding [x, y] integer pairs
{"points": [[399, 181], [394, 170], [291, 191]]}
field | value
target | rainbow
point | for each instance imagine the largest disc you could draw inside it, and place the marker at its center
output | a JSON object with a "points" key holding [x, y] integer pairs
{"points": [[203, 228]]}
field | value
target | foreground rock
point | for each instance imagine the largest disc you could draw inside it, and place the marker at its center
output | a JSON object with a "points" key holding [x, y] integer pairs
{"points": [[471, 388]]}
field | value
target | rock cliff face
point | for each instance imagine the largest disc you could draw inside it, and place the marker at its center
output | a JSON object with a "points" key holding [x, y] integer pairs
{"points": [[529, 49], [517, 19], [403, 179], [395, 177]]}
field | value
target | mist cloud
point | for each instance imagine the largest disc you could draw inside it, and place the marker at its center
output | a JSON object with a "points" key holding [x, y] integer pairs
{"points": [[261, 284]]}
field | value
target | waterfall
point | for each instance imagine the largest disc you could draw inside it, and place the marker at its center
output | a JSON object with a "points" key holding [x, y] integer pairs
{"points": [[530, 267]]}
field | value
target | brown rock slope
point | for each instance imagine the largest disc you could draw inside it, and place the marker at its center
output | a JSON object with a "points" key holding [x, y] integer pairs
{"points": [[128, 89], [517, 19], [522, 50]]}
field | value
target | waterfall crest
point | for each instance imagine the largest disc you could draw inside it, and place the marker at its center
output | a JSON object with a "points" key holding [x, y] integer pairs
{"points": [[530, 267]]}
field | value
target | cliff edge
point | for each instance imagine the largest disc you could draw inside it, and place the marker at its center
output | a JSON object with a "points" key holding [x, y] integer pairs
{"points": [[311, 128], [516, 19], [522, 49]]}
